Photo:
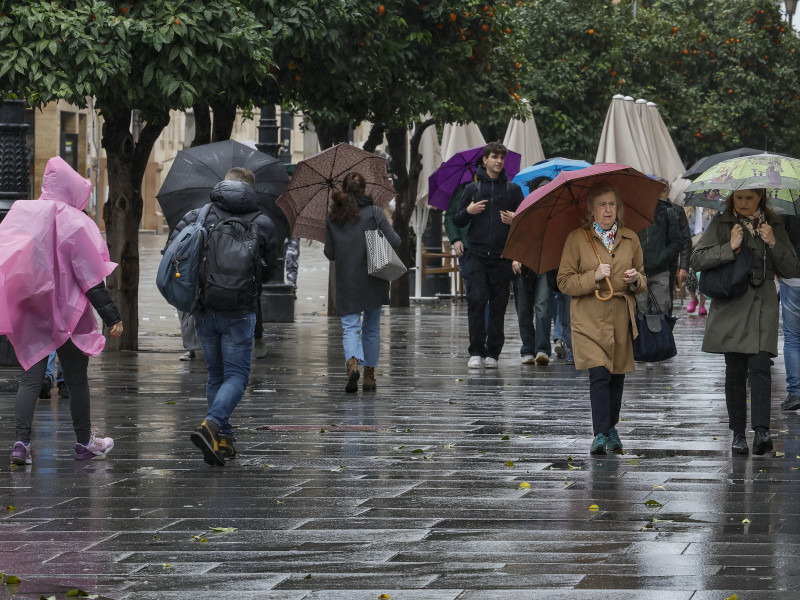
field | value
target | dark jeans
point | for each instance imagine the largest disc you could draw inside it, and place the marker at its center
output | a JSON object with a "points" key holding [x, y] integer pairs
{"points": [[75, 364], [605, 394], [489, 281], [737, 368], [532, 296], [227, 340]]}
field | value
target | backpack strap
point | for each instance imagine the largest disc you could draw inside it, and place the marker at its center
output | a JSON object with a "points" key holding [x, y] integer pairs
{"points": [[201, 216]]}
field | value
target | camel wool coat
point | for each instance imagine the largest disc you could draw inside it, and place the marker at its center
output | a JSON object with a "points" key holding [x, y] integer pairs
{"points": [[601, 331]]}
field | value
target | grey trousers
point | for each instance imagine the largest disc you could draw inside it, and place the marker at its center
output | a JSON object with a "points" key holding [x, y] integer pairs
{"points": [[75, 364]]}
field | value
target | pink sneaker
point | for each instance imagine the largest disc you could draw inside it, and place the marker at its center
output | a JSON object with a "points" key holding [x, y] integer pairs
{"points": [[702, 311], [691, 306], [95, 448]]}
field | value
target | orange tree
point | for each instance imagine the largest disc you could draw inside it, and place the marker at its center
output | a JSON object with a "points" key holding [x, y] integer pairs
{"points": [[148, 56], [724, 74], [389, 62]]}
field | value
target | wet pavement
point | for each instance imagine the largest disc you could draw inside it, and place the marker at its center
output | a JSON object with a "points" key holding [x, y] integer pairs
{"points": [[416, 491]]}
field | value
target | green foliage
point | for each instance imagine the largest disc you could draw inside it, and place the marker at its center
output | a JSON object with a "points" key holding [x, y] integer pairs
{"points": [[724, 74], [155, 55]]}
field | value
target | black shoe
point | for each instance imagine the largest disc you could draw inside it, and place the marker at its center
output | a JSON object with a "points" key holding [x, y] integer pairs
{"points": [[739, 445], [204, 438], [227, 448], [63, 391], [47, 385], [762, 443], [792, 402]]}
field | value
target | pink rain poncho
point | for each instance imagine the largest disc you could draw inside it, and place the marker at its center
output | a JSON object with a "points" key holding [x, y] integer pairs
{"points": [[51, 253]]}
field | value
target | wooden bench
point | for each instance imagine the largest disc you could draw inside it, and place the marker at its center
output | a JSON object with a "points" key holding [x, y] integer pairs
{"points": [[449, 265]]}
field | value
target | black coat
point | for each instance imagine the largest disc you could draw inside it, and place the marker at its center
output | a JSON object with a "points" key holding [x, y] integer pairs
{"points": [[346, 245], [487, 234], [231, 198]]}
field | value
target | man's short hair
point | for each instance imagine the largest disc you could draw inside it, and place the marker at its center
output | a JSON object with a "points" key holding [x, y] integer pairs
{"points": [[241, 174], [494, 148]]}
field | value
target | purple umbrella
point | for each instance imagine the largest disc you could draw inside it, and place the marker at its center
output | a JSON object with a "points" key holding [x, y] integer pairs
{"points": [[458, 169]]}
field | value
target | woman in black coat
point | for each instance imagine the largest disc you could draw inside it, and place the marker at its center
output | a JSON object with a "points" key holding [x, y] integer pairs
{"points": [[359, 296]]}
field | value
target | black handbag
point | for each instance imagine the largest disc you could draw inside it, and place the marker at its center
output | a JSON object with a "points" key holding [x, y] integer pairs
{"points": [[732, 279], [655, 341]]}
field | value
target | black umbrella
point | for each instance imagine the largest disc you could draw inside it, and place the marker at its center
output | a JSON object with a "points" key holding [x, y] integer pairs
{"points": [[705, 163], [197, 170]]}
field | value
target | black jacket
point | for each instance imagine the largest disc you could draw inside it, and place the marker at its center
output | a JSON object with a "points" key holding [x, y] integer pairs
{"points": [[662, 241], [686, 234], [487, 234], [231, 198]]}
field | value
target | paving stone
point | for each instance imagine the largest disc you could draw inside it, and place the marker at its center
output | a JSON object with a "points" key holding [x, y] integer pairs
{"points": [[406, 491]]}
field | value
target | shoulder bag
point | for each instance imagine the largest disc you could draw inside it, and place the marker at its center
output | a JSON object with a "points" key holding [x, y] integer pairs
{"points": [[382, 260], [655, 341], [733, 278]]}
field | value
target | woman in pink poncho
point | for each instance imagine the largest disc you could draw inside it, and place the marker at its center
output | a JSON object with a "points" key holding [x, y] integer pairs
{"points": [[53, 261]]}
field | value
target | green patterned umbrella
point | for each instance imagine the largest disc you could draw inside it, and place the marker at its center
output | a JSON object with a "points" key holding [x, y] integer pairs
{"points": [[779, 175]]}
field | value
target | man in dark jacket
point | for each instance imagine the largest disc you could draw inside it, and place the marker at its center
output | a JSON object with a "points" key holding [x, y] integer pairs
{"points": [[661, 245], [679, 269], [227, 336], [487, 207]]}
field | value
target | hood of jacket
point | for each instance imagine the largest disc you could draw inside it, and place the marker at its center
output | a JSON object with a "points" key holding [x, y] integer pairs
{"points": [[61, 183], [363, 201], [236, 197], [482, 175]]}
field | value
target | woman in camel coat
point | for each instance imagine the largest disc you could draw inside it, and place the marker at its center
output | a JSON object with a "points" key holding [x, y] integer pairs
{"points": [[601, 331]]}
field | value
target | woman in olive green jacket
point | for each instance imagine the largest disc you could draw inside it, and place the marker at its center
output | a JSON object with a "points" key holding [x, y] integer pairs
{"points": [[745, 328]]}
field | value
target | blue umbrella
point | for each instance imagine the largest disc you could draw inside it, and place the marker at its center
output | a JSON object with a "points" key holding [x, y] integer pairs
{"points": [[547, 168]]}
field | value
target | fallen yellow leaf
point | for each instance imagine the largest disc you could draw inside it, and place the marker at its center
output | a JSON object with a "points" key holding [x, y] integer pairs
{"points": [[745, 521], [594, 507], [384, 597], [524, 484]]}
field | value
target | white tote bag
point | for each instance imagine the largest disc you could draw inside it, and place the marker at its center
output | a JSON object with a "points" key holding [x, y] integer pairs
{"points": [[382, 260]]}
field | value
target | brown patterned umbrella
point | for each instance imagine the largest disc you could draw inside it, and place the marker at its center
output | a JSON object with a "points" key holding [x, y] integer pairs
{"points": [[306, 201]]}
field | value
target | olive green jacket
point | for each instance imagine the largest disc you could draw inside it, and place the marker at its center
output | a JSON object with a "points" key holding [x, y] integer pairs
{"points": [[747, 323]]}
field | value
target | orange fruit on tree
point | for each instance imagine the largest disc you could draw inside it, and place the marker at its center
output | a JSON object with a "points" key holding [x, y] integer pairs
{"points": [[381, 10], [590, 32]]}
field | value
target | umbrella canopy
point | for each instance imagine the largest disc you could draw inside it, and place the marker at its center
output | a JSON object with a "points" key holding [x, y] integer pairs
{"points": [[461, 169], [306, 201], [548, 215], [547, 168], [780, 175], [456, 138], [623, 139], [705, 163], [523, 138], [197, 170]]}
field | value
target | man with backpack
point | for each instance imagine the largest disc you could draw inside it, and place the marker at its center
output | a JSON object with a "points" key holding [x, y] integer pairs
{"points": [[239, 254], [487, 207]]}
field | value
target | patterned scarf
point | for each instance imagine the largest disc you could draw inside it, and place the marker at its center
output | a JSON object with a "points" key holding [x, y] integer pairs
{"points": [[751, 223], [606, 236]]}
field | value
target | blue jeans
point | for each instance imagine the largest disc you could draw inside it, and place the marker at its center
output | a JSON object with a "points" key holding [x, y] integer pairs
{"points": [[50, 370], [532, 299], [562, 329], [362, 338], [790, 311], [227, 341]]}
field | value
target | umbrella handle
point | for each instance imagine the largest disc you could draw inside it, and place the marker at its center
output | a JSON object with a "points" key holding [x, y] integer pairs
{"points": [[597, 293]]}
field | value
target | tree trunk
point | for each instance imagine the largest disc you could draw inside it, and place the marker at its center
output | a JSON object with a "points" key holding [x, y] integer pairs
{"points": [[122, 214], [202, 124], [224, 119], [330, 134], [375, 138], [406, 183]]}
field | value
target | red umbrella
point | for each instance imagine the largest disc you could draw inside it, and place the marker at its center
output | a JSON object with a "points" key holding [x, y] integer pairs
{"points": [[548, 214], [306, 201]]}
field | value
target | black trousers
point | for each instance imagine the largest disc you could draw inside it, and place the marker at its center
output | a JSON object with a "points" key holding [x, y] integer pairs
{"points": [[75, 364], [737, 369], [489, 281], [605, 394]]}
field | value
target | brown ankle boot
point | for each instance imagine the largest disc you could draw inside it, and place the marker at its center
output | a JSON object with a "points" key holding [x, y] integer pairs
{"points": [[369, 384], [352, 375]]}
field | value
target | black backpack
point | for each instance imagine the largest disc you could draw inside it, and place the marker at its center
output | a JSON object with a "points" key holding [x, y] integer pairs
{"points": [[230, 272]]}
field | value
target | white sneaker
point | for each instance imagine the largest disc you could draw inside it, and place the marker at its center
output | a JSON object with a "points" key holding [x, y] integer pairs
{"points": [[527, 359], [475, 362], [542, 358], [188, 355], [96, 447], [490, 363]]}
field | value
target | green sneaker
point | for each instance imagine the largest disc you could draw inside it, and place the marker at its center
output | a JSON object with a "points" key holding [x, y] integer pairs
{"points": [[599, 444], [614, 444]]}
